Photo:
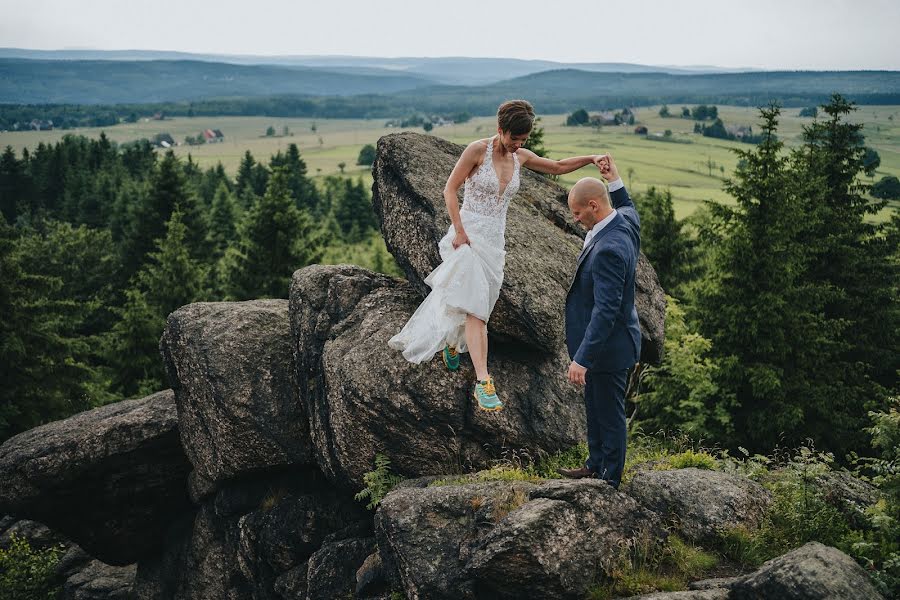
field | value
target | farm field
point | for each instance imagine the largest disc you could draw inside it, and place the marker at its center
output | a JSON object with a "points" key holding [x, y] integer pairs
{"points": [[694, 170]]}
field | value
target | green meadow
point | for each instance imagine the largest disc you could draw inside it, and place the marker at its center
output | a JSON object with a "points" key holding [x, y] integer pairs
{"points": [[692, 166]]}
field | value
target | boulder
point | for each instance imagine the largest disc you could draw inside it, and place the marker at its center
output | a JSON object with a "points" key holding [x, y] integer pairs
{"points": [[713, 594], [363, 398], [509, 539], [246, 538], [99, 581], [118, 470], [699, 502], [812, 572], [332, 568], [287, 529], [374, 578], [542, 243], [851, 496], [238, 411]]}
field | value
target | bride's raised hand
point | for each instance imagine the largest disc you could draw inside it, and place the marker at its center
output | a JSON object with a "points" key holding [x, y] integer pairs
{"points": [[460, 239]]}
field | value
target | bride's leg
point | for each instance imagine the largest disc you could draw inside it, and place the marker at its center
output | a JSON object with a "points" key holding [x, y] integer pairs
{"points": [[476, 340]]}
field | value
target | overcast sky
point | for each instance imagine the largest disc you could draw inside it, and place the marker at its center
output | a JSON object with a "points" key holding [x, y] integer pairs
{"points": [[770, 34]]}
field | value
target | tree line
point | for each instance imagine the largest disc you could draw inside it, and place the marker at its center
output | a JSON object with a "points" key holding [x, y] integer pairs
{"points": [[100, 242], [784, 312]]}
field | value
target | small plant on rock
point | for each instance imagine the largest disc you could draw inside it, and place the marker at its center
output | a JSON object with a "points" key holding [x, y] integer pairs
{"points": [[378, 482]]}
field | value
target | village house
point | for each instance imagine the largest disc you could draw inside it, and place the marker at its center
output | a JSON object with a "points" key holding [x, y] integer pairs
{"points": [[213, 136]]}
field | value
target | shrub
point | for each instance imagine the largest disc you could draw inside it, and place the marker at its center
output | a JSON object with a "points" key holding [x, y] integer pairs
{"points": [[26, 573]]}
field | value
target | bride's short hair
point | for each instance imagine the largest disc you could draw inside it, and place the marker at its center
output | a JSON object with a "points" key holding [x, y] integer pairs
{"points": [[516, 117]]}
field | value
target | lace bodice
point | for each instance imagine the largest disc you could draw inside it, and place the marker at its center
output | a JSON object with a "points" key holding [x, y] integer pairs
{"points": [[481, 194]]}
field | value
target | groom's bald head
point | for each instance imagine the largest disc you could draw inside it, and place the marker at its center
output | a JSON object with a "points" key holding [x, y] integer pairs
{"points": [[589, 188], [589, 201]]}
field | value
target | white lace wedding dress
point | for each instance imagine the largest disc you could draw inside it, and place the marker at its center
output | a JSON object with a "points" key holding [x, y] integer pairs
{"points": [[468, 279]]}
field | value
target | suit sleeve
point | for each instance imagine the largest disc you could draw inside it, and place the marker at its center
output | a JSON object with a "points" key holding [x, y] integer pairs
{"points": [[608, 275], [623, 203]]}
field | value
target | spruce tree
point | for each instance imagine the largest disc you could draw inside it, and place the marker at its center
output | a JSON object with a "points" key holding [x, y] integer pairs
{"points": [[43, 363], [663, 239], [850, 259], [752, 305], [302, 188], [148, 216], [171, 278], [276, 238], [353, 211], [11, 184]]}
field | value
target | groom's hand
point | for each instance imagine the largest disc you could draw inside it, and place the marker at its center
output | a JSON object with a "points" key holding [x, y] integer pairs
{"points": [[607, 167], [577, 373]]}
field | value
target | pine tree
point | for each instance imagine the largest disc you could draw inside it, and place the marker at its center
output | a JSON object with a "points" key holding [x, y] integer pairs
{"points": [[303, 191], [276, 238], [353, 211], [171, 278], [753, 306], [12, 181], [850, 258], [223, 220], [42, 356], [663, 239], [148, 217]]}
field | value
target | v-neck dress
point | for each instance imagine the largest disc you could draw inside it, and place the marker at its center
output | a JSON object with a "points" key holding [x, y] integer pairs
{"points": [[468, 279]]}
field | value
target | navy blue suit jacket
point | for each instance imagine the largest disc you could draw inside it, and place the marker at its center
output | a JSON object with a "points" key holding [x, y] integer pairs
{"points": [[602, 329]]}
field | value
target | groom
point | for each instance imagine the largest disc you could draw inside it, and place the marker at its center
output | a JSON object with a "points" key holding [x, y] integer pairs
{"points": [[602, 331]]}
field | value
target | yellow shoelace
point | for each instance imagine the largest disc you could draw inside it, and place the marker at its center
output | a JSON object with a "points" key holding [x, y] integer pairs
{"points": [[452, 352], [489, 387]]}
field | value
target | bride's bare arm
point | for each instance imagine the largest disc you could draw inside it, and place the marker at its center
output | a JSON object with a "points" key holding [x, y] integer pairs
{"points": [[554, 167], [466, 163]]}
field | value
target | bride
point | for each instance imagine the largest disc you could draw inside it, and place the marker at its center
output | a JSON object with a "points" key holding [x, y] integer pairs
{"points": [[465, 286]]}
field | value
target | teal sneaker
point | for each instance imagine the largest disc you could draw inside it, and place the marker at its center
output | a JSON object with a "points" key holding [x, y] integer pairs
{"points": [[451, 357], [486, 395]]}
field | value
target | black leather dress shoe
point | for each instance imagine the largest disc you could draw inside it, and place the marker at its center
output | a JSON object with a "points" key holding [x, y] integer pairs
{"points": [[580, 473]]}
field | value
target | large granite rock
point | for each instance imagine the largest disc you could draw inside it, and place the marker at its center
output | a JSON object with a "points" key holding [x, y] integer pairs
{"points": [[288, 530], [238, 411], [99, 581], [713, 594], [363, 398], [331, 571], [110, 479], [812, 572], [248, 536], [542, 243], [701, 503], [510, 539]]}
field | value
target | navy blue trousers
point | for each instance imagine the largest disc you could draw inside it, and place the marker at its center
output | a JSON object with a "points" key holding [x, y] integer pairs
{"points": [[604, 403]]}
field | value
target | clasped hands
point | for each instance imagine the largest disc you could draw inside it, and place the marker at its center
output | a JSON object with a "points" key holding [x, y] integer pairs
{"points": [[607, 167]]}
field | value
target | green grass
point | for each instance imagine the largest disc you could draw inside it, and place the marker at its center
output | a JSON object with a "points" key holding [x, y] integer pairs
{"points": [[692, 171]]}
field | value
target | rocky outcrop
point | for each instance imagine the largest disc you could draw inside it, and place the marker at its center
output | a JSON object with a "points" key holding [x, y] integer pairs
{"points": [[542, 243], [118, 471], [331, 571], [510, 539], [849, 495], [238, 410], [247, 539], [699, 503], [811, 572], [363, 398], [714, 594]]}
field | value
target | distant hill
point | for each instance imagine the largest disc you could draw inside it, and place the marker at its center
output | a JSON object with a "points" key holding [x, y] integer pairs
{"points": [[564, 90], [448, 70], [30, 81], [75, 93]]}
